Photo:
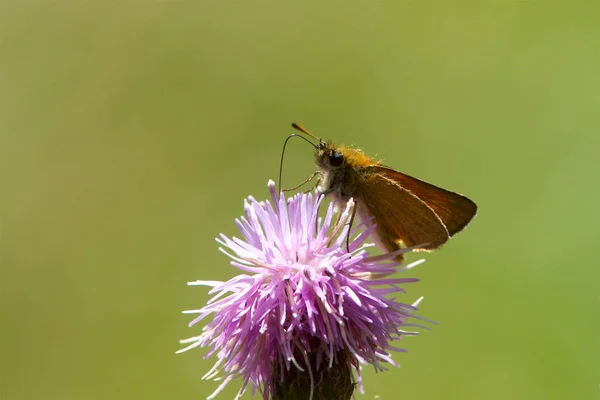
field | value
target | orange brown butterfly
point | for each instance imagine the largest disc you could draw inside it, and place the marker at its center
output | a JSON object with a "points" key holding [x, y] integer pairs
{"points": [[408, 212]]}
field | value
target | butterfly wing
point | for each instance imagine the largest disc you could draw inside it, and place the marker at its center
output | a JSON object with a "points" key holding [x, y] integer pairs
{"points": [[401, 217], [455, 210]]}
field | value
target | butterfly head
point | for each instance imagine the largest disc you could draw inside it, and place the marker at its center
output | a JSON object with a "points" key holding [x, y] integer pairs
{"points": [[328, 156]]}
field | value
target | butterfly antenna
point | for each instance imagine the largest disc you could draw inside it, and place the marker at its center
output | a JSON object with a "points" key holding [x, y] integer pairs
{"points": [[303, 130]]}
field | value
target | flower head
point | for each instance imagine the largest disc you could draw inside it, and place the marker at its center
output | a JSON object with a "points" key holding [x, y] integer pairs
{"points": [[311, 299]]}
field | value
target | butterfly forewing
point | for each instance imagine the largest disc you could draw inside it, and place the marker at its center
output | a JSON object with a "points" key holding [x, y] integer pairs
{"points": [[401, 217], [455, 210]]}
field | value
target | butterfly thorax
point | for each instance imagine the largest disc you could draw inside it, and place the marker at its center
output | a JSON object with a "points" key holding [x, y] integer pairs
{"points": [[341, 168]]}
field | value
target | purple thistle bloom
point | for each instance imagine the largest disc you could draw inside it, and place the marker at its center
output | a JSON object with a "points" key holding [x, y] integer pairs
{"points": [[305, 305]]}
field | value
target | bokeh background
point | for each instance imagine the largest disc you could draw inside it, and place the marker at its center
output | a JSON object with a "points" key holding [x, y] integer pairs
{"points": [[131, 131]]}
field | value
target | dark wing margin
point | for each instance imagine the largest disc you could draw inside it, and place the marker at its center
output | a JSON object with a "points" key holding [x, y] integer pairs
{"points": [[455, 210]]}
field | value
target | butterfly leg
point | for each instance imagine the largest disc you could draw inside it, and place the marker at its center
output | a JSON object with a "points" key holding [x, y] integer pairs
{"points": [[310, 178], [350, 227], [313, 186], [337, 222]]}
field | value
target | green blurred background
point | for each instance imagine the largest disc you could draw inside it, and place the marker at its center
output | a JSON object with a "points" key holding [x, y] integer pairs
{"points": [[131, 131]]}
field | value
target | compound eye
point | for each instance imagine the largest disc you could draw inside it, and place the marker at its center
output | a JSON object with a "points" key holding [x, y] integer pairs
{"points": [[336, 159]]}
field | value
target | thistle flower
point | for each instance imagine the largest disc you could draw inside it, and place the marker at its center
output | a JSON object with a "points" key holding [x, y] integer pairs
{"points": [[309, 308]]}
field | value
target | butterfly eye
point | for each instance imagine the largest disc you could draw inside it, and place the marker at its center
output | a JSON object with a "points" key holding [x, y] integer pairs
{"points": [[336, 159]]}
